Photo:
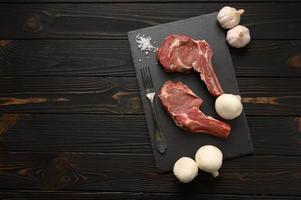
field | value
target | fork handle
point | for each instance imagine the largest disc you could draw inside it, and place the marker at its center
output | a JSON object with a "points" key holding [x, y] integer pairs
{"points": [[160, 141]]}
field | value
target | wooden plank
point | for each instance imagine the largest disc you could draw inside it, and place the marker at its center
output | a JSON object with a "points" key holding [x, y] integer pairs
{"points": [[141, 1], [270, 95], [280, 58], [127, 134], [66, 58], [119, 95], [70, 95], [135, 173], [269, 58], [275, 135], [74, 133], [114, 20], [61, 195]]}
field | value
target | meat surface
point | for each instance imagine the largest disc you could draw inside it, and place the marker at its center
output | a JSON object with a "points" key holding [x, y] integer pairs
{"points": [[181, 53], [183, 106]]}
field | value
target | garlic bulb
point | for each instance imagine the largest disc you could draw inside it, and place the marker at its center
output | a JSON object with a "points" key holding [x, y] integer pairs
{"points": [[185, 169], [229, 17], [238, 37], [209, 159], [228, 106]]}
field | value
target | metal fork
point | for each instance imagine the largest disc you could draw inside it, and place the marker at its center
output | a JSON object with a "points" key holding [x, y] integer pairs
{"points": [[161, 145]]}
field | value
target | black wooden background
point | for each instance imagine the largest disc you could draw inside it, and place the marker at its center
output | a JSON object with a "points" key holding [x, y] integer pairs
{"points": [[71, 122]]}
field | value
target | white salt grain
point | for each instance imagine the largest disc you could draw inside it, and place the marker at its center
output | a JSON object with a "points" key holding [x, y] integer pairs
{"points": [[144, 44]]}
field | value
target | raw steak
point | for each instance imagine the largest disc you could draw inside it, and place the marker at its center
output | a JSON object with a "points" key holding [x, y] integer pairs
{"points": [[183, 106], [180, 53]]}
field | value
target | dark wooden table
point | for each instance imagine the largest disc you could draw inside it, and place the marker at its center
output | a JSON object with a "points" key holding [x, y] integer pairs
{"points": [[71, 122]]}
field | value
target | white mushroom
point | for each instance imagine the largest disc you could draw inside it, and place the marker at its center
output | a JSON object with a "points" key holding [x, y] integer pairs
{"points": [[185, 169], [229, 17], [228, 106], [209, 159], [239, 36]]}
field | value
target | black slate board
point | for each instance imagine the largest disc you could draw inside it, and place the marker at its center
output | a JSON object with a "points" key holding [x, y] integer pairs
{"points": [[182, 143]]}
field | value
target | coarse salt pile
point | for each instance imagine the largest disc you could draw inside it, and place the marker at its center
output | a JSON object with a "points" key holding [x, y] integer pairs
{"points": [[144, 44]]}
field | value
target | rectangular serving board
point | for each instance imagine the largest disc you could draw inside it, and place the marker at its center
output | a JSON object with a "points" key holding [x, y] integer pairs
{"points": [[180, 142]]}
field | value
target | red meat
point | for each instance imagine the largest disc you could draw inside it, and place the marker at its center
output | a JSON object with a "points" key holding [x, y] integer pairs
{"points": [[183, 106], [180, 53]]}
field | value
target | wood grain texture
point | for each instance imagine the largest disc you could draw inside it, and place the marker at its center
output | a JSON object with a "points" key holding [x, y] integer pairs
{"points": [[66, 58], [76, 133], [7, 121], [135, 173], [120, 95], [61, 195], [142, 1], [271, 95], [54, 144], [126, 134], [275, 135], [70, 95], [269, 58], [265, 20]]}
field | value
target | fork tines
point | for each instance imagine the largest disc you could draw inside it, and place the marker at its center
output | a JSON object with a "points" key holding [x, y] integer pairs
{"points": [[146, 77]]}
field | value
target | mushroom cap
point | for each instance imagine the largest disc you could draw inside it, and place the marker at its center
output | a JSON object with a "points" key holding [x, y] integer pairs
{"points": [[209, 158], [228, 106], [185, 169]]}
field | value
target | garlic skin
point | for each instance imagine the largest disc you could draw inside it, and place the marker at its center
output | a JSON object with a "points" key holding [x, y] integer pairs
{"points": [[229, 17], [185, 169], [228, 106], [239, 36], [209, 159]]}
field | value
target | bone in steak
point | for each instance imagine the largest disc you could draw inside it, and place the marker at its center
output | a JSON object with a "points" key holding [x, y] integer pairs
{"points": [[180, 53], [183, 106]]}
